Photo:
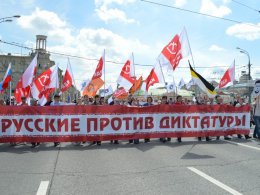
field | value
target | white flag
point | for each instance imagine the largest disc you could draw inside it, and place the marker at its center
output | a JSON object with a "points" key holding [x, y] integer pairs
{"points": [[106, 92], [171, 87], [181, 83], [190, 83], [83, 84], [27, 77], [126, 78]]}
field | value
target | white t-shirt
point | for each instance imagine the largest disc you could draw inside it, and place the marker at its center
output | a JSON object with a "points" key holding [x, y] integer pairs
{"points": [[58, 104]]}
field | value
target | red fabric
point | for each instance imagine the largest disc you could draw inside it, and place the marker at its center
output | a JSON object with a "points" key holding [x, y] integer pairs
{"points": [[118, 109], [117, 137], [120, 93], [151, 79], [83, 113], [172, 51], [66, 82], [99, 69]]}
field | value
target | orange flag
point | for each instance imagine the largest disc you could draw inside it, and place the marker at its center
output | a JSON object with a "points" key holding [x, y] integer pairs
{"points": [[93, 86], [136, 86]]}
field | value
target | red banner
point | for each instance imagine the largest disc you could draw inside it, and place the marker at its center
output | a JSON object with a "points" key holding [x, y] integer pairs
{"points": [[94, 123]]}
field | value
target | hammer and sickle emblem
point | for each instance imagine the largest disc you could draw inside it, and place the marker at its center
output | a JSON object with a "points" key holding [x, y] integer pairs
{"points": [[171, 48], [126, 69], [43, 79]]}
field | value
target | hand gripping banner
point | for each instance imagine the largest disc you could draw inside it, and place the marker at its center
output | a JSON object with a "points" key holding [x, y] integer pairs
{"points": [[94, 123]]}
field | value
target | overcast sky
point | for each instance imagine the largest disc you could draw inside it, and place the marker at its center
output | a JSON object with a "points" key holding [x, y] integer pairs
{"points": [[85, 28]]}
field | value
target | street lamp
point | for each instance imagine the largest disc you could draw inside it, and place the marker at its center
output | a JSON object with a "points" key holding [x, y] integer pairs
{"points": [[249, 71], [9, 19]]}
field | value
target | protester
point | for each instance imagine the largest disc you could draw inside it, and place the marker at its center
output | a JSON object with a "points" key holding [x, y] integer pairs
{"points": [[24, 101], [49, 101], [115, 102], [164, 102], [238, 103], [134, 102], [96, 103], [12, 103], [129, 103], [257, 118], [2, 102], [179, 101], [85, 100], [149, 102], [102, 101], [170, 101], [219, 101], [34, 102], [203, 102], [56, 102]]}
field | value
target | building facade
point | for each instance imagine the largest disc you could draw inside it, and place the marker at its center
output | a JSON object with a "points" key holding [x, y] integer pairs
{"points": [[20, 63]]}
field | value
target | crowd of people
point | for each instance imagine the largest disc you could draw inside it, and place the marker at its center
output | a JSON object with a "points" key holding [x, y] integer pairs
{"points": [[135, 102]]}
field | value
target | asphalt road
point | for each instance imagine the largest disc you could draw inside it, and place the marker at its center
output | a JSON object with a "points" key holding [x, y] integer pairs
{"points": [[190, 167]]}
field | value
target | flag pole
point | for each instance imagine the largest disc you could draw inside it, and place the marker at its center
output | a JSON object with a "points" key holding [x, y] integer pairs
{"points": [[189, 47], [104, 70], [193, 63], [163, 75], [173, 81], [133, 63], [10, 90], [134, 72], [233, 83]]}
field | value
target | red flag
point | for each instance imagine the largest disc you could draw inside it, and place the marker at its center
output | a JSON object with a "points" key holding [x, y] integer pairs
{"points": [[68, 79], [23, 85], [43, 96], [21, 92], [42, 82], [120, 93], [151, 79], [228, 77], [177, 49], [125, 79], [99, 68], [172, 51]]}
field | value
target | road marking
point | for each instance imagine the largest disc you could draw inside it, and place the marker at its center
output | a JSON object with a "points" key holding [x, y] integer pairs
{"points": [[42, 190], [214, 181], [239, 144]]}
